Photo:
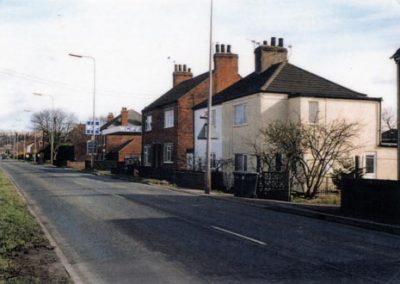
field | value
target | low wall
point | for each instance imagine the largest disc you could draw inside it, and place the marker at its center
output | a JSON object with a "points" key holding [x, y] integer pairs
{"points": [[76, 165], [371, 198], [188, 179]]}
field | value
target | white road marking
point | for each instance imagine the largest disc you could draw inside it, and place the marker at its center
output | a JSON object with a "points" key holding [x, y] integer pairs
{"points": [[239, 235]]}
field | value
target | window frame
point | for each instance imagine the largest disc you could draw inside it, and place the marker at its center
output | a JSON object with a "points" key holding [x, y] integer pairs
{"points": [[148, 125], [171, 121], [146, 155], [245, 120], [243, 162], [168, 147]]}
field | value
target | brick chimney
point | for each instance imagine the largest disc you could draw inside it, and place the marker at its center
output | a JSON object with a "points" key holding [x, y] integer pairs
{"points": [[226, 70], [110, 116], [124, 116], [181, 74], [267, 55]]}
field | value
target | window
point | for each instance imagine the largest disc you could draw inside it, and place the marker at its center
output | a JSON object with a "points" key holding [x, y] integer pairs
{"points": [[240, 114], [148, 122], [240, 162], [313, 112], [369, 164], [213, 160], [147, 155], [214, 118], [168, 118], [168, 153]]}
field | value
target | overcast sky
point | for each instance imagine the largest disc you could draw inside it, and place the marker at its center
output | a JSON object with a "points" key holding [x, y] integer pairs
{"points": [[346, 41]]}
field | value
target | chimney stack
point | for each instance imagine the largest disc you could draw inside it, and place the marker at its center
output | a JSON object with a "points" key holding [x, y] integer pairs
{"points": [[110, 116], [181, 73], [124, 116], [225, 67], [268, 55]]}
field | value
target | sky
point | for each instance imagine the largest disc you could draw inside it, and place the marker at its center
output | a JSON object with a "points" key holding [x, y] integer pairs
{"points": [[136, 43]]}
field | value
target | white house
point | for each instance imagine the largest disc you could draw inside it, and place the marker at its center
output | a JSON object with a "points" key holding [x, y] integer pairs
{"points": [[278, 90]]}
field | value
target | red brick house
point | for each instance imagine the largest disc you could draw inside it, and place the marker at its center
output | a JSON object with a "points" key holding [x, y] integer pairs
{"points": [[121, 137], [167, 140]]}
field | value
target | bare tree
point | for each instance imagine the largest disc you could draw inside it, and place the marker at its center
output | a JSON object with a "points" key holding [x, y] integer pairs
{"points": [[310, 151], [58, 121], [388, 119]]}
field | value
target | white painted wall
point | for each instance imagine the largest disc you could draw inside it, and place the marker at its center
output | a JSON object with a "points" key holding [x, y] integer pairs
{"points": [[216, 135]]}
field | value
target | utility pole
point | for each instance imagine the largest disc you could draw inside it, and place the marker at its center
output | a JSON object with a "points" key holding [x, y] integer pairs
{"points": [[396, 58], [207, 184]]}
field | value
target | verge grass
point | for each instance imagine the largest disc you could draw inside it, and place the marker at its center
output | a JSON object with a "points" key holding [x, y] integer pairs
{"points": [[25, 254]]}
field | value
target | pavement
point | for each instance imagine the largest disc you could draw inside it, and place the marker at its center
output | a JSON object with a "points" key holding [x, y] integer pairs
{"points": [[115, 231], [330, 213]]}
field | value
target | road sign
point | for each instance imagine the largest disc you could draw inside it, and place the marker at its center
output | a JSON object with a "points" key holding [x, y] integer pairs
{"points": [[89, 127], [91, 147]]}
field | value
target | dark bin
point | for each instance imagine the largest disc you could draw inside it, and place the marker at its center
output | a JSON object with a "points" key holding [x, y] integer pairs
{"points": [[245, 184]]}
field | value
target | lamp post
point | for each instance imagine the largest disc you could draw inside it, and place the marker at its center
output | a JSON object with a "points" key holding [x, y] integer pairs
{"points": [[53, 125], [94, 103], [396, 58], [207, 184]]}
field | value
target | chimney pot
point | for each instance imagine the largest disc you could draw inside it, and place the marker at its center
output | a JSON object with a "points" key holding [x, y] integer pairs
{"points": [[175, 67], [228, 48], [265, 42], [273, 41], [184, 67], [217, 48], [189, 70], [179, 67], [222, 48], [280, 42]]}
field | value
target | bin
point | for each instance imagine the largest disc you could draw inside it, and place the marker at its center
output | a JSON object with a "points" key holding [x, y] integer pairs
{"points": [[245, 184]]}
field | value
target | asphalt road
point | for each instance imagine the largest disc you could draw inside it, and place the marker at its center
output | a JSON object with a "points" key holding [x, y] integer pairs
{"points": [[113, 231]]}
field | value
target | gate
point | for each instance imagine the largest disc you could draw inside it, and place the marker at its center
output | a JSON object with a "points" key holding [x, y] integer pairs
{"points": [[273, 185]]}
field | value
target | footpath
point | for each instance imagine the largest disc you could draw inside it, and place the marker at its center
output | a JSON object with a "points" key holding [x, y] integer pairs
{"points": [[331, 213]]}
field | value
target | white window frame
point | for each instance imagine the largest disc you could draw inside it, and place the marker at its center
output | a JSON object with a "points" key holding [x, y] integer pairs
{"points": [[236, 108], [371, 175], [313, 117], [214, 118], [168, 117], [146, 155], [167, 153], [244, 162], [148, 122]]}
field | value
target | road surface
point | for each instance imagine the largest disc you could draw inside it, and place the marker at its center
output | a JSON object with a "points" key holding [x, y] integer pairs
{"points": [[113, 231]]}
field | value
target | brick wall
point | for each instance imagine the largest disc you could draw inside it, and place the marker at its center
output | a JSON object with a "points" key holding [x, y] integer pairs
{"points": [[133, 148], [113, 141]]}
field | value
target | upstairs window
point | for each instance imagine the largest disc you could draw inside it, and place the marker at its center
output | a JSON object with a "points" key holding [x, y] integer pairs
{"points": [[148, 123], [240, 114], [313, 110], [168, 118]]}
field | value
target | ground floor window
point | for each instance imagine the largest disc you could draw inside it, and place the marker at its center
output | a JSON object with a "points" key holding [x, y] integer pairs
{"points": [[370, 165], [240, 162], [147, 155], [168, 152]]}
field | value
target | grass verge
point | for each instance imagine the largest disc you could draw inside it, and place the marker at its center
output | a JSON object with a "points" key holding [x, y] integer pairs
{"points": [[25, 254]]}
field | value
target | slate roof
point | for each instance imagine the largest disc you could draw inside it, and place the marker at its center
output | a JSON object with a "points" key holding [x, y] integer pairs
{"points": [[134, 118], [120, 147], [177, 92], [288, 79], [390, 136], [396, 56]]}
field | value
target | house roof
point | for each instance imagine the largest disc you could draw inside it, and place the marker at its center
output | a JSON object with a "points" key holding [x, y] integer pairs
{"points": [[390, 136], [177, 92], [120, 147], [396, 56], [288, 79], [134, 119]]}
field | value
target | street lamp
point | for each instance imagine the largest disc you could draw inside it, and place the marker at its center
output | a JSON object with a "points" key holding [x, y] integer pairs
{"points": [[94, 103], [53, 124], [207, 185]]}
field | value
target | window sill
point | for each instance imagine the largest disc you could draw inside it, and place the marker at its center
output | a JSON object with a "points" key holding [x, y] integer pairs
{"points": [[165, 127], [168, 162], [240, 125]]}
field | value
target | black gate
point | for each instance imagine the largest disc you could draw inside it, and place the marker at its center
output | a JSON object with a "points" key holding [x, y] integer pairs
{"points": [[273, 185]]}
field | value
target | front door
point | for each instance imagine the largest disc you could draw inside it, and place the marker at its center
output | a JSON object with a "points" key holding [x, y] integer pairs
{"points": [[157, 155]]}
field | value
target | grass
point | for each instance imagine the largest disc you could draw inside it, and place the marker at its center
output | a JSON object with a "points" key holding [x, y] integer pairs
{"points": [[327, 199], [25, 254]]}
